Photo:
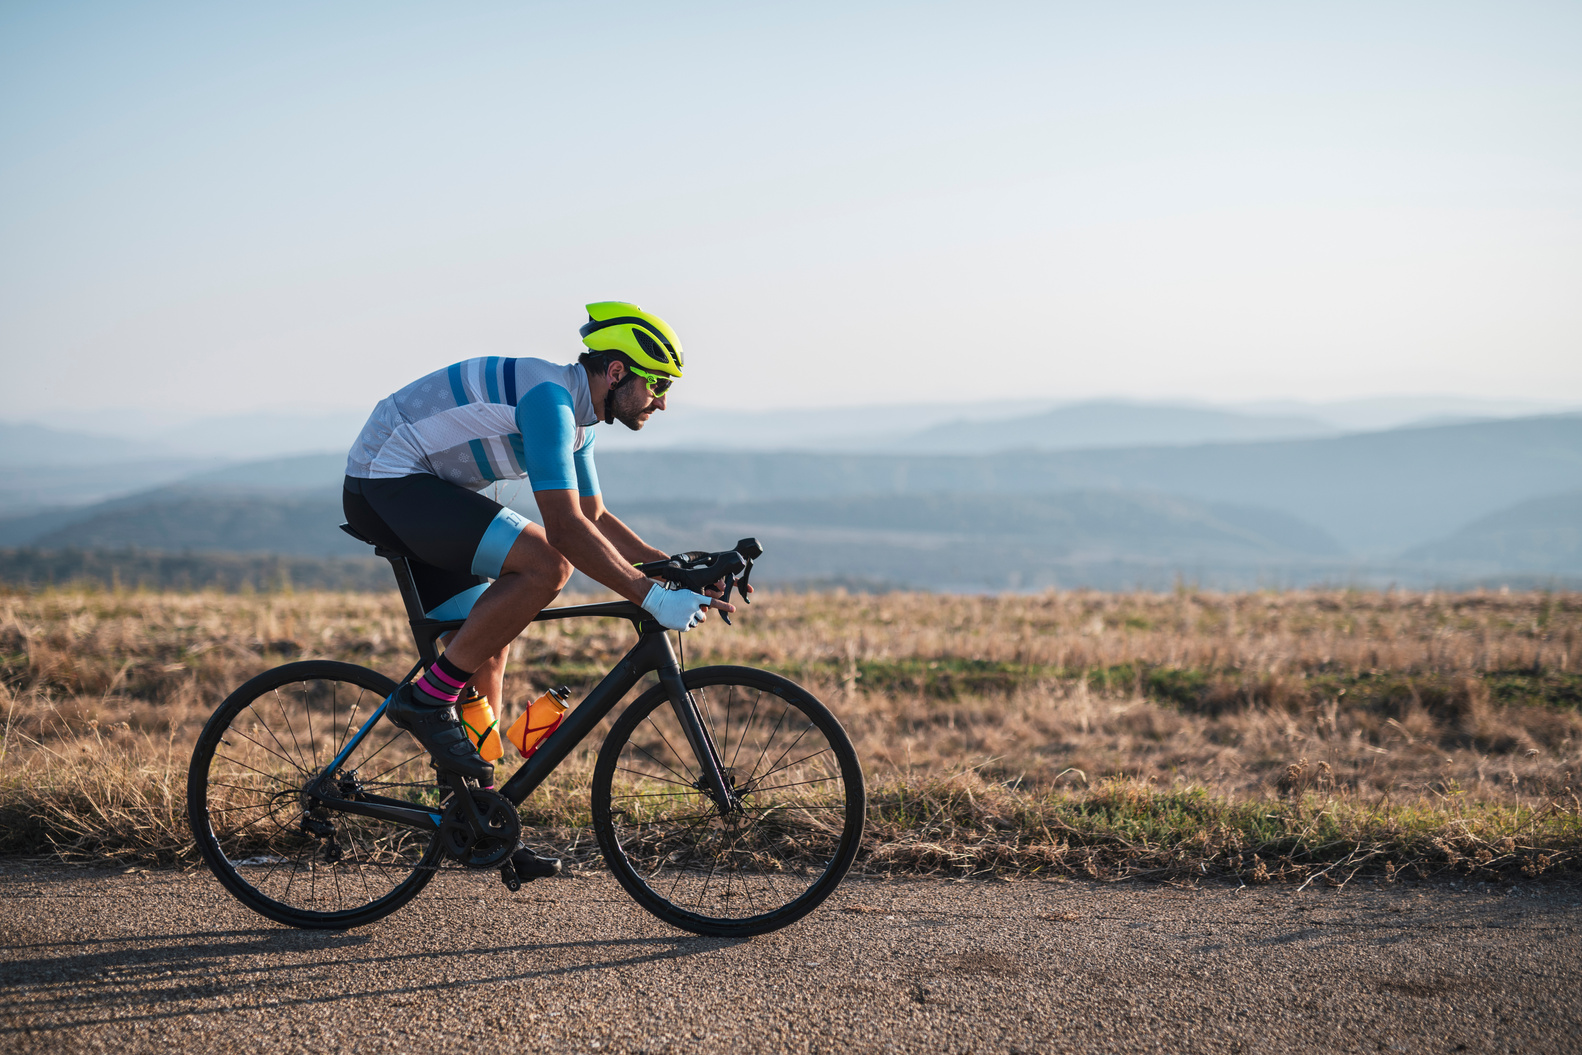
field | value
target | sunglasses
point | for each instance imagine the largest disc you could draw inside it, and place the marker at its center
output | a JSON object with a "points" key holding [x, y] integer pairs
{"points": [[657, 385]]}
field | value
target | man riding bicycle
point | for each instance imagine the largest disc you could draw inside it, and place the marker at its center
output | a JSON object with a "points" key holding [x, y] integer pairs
{"points": [[412, 485]]}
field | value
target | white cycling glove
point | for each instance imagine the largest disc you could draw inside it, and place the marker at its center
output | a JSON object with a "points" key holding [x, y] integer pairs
{"points": [[675, 609]]}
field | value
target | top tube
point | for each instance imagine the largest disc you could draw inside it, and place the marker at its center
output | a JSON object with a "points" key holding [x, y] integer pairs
{"points": [[619, 609]]}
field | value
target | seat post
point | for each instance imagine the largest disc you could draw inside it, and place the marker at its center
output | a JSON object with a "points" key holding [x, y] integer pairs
{"points": [[426, 632], [406, 584]]}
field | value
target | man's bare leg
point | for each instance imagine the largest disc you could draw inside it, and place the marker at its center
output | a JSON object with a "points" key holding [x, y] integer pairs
{"points": [[533, 575], [489, 679]]}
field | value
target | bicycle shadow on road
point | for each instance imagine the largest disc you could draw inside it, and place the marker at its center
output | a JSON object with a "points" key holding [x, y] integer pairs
{"points": [[219, 972]]}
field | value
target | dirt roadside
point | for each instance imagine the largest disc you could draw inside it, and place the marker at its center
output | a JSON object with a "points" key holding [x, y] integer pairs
{"points": [[162, 961]]}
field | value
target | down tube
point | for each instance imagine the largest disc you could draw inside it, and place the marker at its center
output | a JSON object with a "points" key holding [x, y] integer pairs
{"points": [[648, 654]]}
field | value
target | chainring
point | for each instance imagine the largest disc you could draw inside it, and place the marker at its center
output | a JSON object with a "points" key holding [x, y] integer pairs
{"points": [[502, 830]]}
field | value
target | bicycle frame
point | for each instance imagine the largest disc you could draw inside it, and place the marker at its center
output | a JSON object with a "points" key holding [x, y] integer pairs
{"points": [[652, 653]]}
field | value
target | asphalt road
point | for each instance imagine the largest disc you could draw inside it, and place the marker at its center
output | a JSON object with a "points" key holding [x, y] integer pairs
{"points": [[161, 962]]}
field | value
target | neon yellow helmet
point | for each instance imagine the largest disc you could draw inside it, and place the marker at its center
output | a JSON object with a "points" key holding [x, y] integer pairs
{"points": [[644, 338]]}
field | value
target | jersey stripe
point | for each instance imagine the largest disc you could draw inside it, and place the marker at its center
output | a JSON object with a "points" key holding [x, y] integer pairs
{"points": [[482, 458], [499, 456], [510, 382], [456, 388], [490, 366]]}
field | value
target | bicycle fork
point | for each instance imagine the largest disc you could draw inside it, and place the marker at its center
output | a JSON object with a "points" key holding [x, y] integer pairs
{"points": [[711, 778]]}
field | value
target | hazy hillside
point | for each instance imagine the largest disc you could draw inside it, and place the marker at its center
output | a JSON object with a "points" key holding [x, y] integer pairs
{"points": [[122, 438], [33, 488], [24, 444], [1102, 424], [1540, 536], [1102, 539], [180, 522], [1376, 493]]}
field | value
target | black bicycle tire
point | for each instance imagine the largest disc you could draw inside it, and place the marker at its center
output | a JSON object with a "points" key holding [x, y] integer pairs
{"points": [[661, 906], [203, 830]]}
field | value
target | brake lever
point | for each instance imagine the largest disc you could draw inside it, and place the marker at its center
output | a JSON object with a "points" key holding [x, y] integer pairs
{"points": [[747, 592], [730, 581]]}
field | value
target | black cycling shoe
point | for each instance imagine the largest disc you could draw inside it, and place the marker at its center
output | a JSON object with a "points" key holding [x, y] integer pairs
{"points": [[530, 866], [440, 732]]}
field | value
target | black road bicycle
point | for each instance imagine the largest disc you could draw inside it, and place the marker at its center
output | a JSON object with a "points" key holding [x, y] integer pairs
{"points": [[726, 800]]}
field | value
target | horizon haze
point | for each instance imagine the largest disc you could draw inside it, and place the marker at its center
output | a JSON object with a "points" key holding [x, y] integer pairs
{"points": [[269, 210]]}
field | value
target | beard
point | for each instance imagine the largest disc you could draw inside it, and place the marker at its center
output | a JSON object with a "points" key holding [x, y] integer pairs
{"points": [[631, 402]]}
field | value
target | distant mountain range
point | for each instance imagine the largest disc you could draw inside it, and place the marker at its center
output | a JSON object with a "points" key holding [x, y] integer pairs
{"points": [[1101, 539], [1040, 425], [1376, 493], [1453, 503], [236, 437], [1542, 536], [1089, 426]]}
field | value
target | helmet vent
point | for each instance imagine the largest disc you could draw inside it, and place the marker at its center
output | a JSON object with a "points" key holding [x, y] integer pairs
{"points": [[651, 346]]}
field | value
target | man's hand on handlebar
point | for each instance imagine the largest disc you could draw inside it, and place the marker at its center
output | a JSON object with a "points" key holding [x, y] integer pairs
{"points": [[706, 579], [681, 609], [715, 591]]}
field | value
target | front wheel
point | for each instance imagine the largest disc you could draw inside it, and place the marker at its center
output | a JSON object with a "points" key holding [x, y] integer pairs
{"points": [[786, 842], [283, 851]]}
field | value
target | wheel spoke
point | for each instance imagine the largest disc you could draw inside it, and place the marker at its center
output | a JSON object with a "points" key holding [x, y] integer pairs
{"points": [[677, 754], [741, 738], [281, 705], [794, 784], [266, 750]]}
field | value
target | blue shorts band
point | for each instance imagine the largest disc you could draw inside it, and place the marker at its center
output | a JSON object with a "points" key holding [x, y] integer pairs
{"points": [[498, 538]]}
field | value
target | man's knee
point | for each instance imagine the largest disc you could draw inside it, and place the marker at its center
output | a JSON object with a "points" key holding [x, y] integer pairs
{"points": [[554, 571], [563, 570], [543, 566]]}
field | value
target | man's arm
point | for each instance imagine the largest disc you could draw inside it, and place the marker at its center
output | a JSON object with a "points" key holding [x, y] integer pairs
{"points": [[623, 538], [580, 541]]}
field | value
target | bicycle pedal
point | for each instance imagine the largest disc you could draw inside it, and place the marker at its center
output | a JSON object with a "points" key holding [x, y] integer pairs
{"points": [[530, 866], [508, 876]]}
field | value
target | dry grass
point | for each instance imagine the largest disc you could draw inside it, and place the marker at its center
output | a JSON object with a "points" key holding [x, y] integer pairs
{"points": [[1276, 735]]}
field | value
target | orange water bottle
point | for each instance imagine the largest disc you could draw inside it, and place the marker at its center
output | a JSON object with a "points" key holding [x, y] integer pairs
{"points": [[477, 716], [541, 718]]}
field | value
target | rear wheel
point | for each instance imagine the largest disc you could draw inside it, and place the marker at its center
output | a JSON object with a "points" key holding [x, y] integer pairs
{"points": [[754, 868], [283, 852]]}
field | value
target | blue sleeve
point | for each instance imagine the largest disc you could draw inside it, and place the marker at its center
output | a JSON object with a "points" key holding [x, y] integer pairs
{"points": [[587, 475], [549, 428]]}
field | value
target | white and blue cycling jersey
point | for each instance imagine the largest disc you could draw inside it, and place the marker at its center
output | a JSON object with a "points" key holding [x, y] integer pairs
{"points": [[483, 420]]}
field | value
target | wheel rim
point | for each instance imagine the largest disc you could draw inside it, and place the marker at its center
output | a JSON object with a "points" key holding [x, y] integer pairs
{"points": [[284, 846], [788, 833]]}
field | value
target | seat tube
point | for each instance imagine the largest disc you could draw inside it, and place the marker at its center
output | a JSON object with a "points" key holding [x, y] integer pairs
{"points": [[703, 747]]}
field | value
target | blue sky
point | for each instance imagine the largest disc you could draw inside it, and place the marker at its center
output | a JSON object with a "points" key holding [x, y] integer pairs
{"points": [[206, 207]]}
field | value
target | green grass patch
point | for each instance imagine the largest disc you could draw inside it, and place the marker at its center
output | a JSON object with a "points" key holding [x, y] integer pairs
{"points": [[1121, 829], [1203, 691]]}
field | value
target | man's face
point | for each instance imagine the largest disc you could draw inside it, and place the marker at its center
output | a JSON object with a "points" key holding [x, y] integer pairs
{"points": [[634, 404]]}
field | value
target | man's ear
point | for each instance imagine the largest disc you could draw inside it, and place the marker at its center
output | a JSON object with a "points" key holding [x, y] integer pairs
{"points": [[614, 372]]}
